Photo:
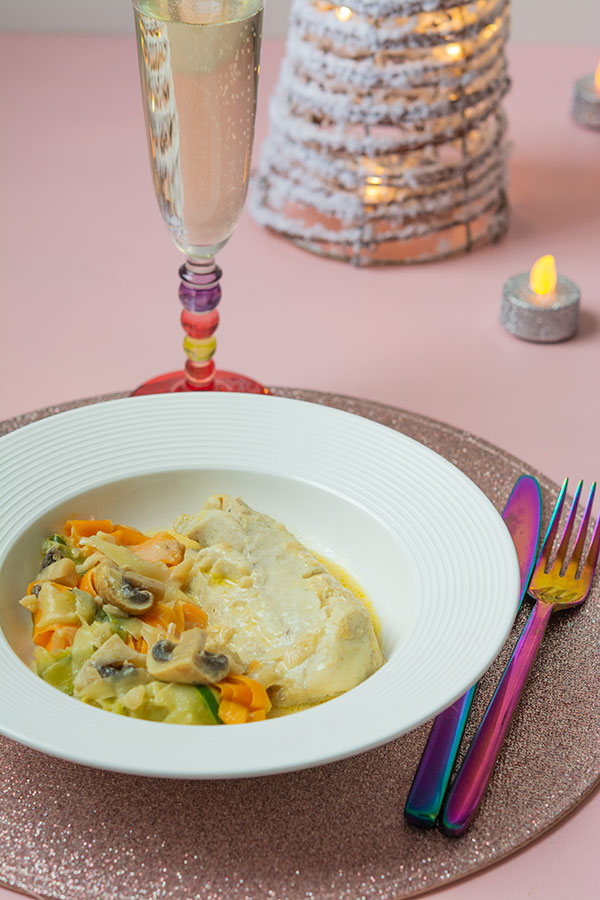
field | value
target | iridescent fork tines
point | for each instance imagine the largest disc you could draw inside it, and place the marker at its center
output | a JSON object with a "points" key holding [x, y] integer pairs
{"points": [[554, 585]]}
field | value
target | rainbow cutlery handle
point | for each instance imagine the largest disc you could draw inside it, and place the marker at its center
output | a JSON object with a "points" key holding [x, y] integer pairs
{"points": [[433, 774], [469, 786], [522, 515]]}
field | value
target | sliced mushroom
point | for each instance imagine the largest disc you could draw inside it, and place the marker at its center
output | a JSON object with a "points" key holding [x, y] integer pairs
{"points": [[187, 662], [132, 593], [217, 643], [51, 556], [61, 571], [112, 669]]}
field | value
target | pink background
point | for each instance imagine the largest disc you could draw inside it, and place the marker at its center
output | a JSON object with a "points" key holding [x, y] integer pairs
{"points": [[89, 300]]}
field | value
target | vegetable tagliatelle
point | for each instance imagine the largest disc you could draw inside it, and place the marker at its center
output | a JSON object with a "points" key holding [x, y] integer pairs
{"points": [[97, 651], [225, 620]]}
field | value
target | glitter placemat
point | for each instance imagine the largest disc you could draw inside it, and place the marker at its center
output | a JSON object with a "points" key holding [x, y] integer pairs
{"points": [[336, 832]]}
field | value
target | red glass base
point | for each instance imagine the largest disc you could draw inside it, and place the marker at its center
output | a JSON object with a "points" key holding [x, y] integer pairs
{"points": [[224, 381]]}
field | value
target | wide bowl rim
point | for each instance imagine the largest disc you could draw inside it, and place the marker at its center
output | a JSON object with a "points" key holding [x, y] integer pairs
{"points": [[349, 441]]}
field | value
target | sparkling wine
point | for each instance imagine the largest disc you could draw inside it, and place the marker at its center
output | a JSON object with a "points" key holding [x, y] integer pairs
{"points": [[199, 65]]}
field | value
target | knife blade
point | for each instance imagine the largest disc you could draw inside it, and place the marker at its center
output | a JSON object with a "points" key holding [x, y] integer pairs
{"points": [[522, 516]]}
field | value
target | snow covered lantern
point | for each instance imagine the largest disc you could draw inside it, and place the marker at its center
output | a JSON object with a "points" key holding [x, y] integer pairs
{"points": [[387, 135]]}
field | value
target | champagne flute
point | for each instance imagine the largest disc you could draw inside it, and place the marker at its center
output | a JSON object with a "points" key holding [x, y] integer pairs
{"points": [[199, 65]]}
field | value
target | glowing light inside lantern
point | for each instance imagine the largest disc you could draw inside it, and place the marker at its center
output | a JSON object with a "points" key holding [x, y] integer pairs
{"points": [[454, 51], [542, 278], [597, 78], [373, 179], [343, 13], [375, 192], [490, 30]]}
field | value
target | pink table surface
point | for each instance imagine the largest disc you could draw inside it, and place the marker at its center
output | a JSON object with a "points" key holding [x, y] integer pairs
{"points": [[89, 301]]}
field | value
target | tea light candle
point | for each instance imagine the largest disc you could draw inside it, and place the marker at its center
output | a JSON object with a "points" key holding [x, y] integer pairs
{"points": [[586, 100], [541, 306]]}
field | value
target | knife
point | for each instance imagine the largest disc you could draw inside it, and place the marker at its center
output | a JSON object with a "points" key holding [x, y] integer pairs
{"points": [[522, 516]]}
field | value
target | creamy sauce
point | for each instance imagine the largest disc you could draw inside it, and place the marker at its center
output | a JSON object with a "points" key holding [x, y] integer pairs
{"points": [[345, 579], [301, 624], [351, 584]]}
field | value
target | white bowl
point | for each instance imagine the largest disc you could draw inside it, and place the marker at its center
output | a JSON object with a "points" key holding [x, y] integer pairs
{"points": [[426, 544]]}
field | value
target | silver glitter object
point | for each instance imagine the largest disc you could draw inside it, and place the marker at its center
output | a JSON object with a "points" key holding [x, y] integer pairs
{"points": [[335, 832], [586, 102], [555, 320]]}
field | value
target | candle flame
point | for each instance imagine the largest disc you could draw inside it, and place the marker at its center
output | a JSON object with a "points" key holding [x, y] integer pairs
{"points": [[542, 278], [597, 78], [343, 13]]}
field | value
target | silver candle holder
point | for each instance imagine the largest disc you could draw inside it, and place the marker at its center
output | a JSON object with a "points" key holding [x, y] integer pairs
{"points": [[541, 317], [586, 100]]}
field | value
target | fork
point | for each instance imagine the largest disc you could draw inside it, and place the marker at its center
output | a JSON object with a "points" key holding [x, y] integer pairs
{"points": [[553, 586]]}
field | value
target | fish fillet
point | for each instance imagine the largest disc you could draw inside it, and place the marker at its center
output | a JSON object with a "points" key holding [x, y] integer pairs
{"points": [[302, 634]]}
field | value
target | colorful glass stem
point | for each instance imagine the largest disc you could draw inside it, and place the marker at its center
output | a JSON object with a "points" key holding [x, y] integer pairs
{"points": [[200, 294]]}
